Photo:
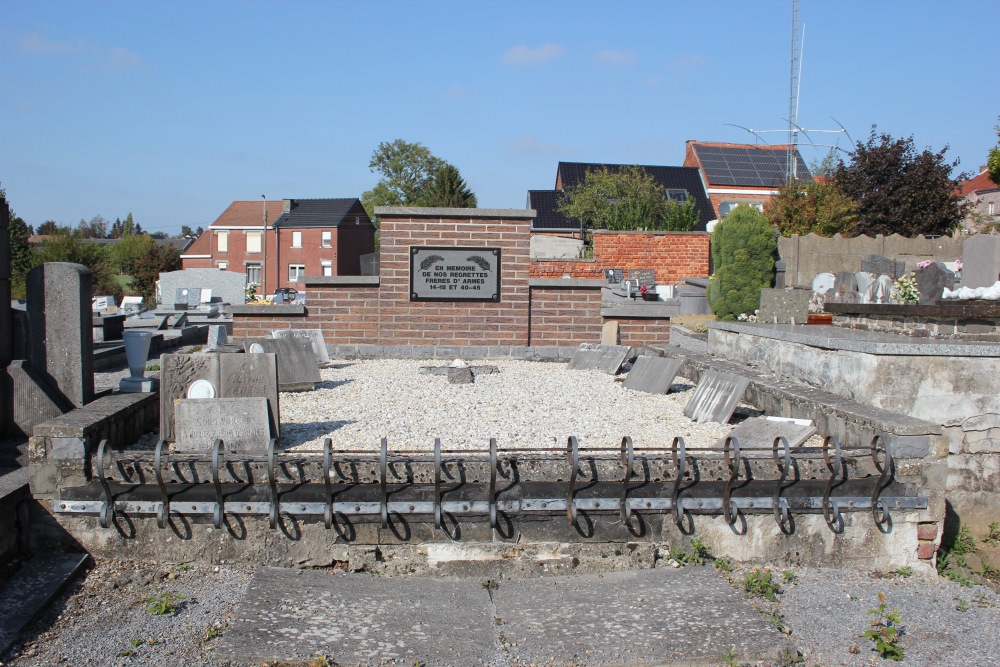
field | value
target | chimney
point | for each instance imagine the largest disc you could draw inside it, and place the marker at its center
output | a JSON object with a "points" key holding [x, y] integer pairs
{"points": [[286, 206]]}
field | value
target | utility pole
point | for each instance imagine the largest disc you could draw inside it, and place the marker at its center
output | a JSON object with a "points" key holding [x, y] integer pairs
{"points": [[263, 271]]}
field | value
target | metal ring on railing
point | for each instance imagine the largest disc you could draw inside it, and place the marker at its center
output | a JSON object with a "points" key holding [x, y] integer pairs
{"points": [[382, 485], [880, 509], [327, 485], [163, 511], [573, 449], [219, 515], [779, 505], [272, 482], [108, 509], [627, 459], [732, 461], [494, 462], [678, 451], [831, 510], [437, 483]]}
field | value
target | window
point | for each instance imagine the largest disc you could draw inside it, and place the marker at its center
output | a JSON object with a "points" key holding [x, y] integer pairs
{"points": [[725, 208], [222, 241], [296, 239], [222, 266], [253, 241], [253, 273], [327, 239], [327, 267], [679, 196], [296, 272]]}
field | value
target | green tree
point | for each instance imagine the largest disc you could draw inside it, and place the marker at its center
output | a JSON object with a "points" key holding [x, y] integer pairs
{"points": [[814, 207], [406, 169], [825, 168], [446, 188], [20, 250], [743, 250], [51, 227], [623, 199], [993, 159], [900, 190], [128, 251], [97, 228], [148, 267], [185, 231], [65, 248]]}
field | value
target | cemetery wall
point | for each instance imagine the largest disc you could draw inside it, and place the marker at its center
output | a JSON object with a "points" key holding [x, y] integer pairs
{"points": [[565, 316], [640, 332], [805, 256]]}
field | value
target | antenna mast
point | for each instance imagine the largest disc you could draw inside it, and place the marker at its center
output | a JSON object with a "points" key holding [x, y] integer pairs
{"points": [[791, 161]]}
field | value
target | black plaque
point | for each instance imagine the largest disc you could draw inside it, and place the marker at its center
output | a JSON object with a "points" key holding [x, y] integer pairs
{"points": [[454, 274]]}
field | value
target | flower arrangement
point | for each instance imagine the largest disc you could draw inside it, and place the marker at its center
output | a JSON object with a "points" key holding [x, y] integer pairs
{"points": [[743, 317], [905, 289], [643, 290]]}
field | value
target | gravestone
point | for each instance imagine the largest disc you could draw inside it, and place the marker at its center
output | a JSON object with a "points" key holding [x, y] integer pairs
{"points": [[315, 338], [241, 423], [653, 375], [883, 289], [227, 286], [879, 265], [217, 336], [227, 375], [645, 277], [610, 333], [6, 320], [716, 396], [33, 403], [130, 303], [760, 433], [193, 297], [605, 358], [845, 287], [614, 276], [980, 260], [61, 350], [866, 287], [297, 367], [932, 281]]}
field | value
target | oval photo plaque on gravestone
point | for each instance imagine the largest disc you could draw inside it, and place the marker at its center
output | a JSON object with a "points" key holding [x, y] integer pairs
{"points": [[454, 274], [201, 389]]}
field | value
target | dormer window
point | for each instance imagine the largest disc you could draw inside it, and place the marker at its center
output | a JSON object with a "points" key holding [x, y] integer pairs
{"points": [[679, 196]]}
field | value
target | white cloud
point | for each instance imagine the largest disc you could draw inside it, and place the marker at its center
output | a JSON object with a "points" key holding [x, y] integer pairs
{"points": [[460, 91], [531, 146], [616, 58], [655, 80], [39, 45], [112, 59], [119, 58], [690, 62], [526, 56]]}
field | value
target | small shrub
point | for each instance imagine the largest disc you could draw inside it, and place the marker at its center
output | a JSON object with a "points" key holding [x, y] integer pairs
{"points": [[884, 632], [699, 552], [965, 543], [760, 583], [730, 657], [165, 603], [723, 565], [961, 604], [743, 250], [993, 536]]}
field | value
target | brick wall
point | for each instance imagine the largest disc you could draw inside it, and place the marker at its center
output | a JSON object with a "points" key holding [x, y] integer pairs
{"points": [[557, 268], [634, 331], [565, 316]]}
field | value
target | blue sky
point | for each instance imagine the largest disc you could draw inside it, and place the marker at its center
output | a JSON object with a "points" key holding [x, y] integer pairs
{"points": [[171, 110]]}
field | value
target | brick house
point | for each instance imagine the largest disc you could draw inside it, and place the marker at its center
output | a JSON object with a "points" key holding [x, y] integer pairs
{"points": [[316, 237], [984, 197], [740, 173]]}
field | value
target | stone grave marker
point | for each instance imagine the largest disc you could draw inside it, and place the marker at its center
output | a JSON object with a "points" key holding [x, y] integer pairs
{"points": [[297, 367], [980, 260], [932, 281], [783, 305], [614, 276], [315, 338], [610, 333], [241, 423], [879, 265], [653, 375], [224, 375], [645, 277], [217, 336], [760, 432], [605, 358], [193, 297], [845, 287], [865, 281], [883, 288], [227, 286], [33, 402], [716, 396]]}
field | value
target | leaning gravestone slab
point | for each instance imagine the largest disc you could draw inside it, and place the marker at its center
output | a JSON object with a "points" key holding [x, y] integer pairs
{"points": [[761, 433], [932, 281], [241, 423], [653, 375], [980, 260], [605, 358], [879, 265], [297, 367], [716, 396], [315, 338], [220, 375]]}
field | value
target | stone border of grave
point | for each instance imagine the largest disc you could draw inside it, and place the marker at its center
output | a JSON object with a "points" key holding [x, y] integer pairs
{"points": [[969, 320]]}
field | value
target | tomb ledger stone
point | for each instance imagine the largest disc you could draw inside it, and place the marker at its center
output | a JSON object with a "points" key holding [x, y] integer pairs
{"points": [[716, 396], [605, 358], [241, 423], [315, 338], [653, 375]]}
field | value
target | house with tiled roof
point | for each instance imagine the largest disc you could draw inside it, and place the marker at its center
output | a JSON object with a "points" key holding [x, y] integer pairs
{"points": [[277, 243], [548, 217], [983, 197], [735, 174]]}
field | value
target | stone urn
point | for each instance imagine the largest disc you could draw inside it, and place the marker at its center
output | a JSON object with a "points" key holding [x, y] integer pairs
{"points": [[136, 352]]}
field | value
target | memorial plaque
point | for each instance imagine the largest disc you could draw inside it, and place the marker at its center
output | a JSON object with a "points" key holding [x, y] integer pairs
{"points": [[194, 297], [605, 358], [645, 277], [716, 396], [241, 423], [614, 276], [315, 338], [653, 375], [297, 367], [454, 274]]}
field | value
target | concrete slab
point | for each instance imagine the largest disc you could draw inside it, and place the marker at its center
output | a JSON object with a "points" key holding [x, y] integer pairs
{"points": [[653, 375], [716, 396], [30, 590], [663, 616], [760, 433], [605, 358], [360, 619]]}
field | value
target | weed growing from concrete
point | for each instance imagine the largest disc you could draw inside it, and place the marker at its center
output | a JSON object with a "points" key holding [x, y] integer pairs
{"points": [[730, 657], [788, 576], [699, 552], [723, 565], [760, 583], [884, 633], [992, 538], [961, 604], [982, 600], [165, 603], [319, 660]]}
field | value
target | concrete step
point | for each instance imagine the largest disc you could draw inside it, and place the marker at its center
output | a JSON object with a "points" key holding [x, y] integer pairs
{"points": [[29, 592], [643, 617]]}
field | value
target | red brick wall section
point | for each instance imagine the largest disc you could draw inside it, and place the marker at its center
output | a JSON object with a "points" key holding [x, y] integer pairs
{"points": [[561, 316], [672, 255], [639, 332], [346, 314], [557, 268]]}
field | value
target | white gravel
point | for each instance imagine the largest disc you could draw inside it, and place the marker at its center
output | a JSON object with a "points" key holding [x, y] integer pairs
{"points": [[526, 404]]}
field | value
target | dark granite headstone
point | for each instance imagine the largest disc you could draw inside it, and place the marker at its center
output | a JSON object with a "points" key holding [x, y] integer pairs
{"points": [[981, 260], [605, 358], [644, 276], [241, 423], [845, 287], [878, 265], [315, 338], [61, 351], [653, 375], [297, 367], [227, 375], [931, 282], [716, 396], [614, 276]]}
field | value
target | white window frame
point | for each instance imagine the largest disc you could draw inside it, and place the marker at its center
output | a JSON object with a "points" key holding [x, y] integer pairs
{"points": [[296, 239], [296, 272], [253, 271], [327, 240], [327, 265], [222, 266], [678, 195], [222, 241], [258, 237]]}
